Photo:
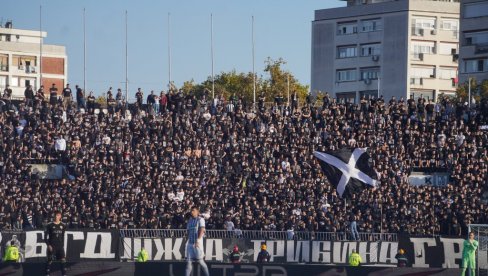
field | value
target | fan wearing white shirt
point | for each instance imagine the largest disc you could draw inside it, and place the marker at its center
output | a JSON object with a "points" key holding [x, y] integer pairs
{"points": [[60, 144]]}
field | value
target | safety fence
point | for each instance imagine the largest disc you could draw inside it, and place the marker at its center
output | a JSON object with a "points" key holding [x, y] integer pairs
{"points": [[262, 235]]}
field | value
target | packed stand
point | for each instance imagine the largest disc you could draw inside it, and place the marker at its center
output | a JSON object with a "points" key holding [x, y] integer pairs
{"points": [[251, 168]]}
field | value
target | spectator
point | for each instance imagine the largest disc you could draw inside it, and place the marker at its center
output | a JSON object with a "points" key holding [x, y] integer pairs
{"points": [[402, 260], [80, 97], [354, 228], [143, 171], [263, 256], [67, 96], [53, 95], [355, 258], [235, 255], [29, 96]]}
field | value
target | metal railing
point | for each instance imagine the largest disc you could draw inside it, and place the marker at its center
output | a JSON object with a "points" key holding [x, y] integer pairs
{"points": [[259, 235]]}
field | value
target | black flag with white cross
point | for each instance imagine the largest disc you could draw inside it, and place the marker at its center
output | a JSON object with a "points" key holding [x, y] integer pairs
{"points": [[348, 170]]}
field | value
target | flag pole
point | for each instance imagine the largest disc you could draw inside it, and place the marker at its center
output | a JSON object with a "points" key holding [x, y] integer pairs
{"points": [[126, 62], [84, 51], [288, 84], [40, 47], [212, 55], [253, 68], [169, 51]]}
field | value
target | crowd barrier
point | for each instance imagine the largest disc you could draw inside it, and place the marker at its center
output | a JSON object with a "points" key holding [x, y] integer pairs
{"points": [[256, 234], [169, 245]]}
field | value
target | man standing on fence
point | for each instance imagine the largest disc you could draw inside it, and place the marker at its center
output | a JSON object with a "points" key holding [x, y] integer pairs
{"points": [[194, 247], [469, 255]]}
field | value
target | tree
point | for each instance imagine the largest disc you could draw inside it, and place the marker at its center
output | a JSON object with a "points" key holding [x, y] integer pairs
{"points": [[232, 83], [478, 90], [277, 84], [101, 101]]}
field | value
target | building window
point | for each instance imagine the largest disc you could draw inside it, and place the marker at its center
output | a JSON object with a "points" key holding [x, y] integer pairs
{"points": [[424, 22], [422, 72], [370, 49], [368, 94], [371, 25], [448, 48], [347, 28], [476, 38], [346, 75], [477, 9], [347, 51], [3, 81], [14, 81], [476, 65], [446, 73], [371, 73], [422, 47], [426, 94], [4, 63], [346, 97], [450, 24]]}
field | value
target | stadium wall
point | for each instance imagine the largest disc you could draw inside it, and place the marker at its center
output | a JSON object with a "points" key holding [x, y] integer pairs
{"points": [[86, 245], [107, 268]]}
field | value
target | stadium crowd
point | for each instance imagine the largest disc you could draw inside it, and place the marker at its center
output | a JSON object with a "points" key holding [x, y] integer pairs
{"points": [[144, 166]]}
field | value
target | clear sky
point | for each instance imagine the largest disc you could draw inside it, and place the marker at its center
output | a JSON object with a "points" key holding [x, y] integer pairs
{"points": [[282, 29]]}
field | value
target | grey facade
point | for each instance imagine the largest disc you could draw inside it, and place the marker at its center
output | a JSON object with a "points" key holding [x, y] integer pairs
{"points": [[390, 48], [474, 40]]}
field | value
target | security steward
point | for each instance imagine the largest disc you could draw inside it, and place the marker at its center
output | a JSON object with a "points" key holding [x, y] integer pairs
{"points": [[11, 253], [355, 259]]}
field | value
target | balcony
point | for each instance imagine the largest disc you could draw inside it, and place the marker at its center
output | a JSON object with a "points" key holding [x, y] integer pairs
{"points": [[481, 48], [27, 69], [433, 59], [448, 35], [433, 83], [430, 34], [3, 68], [31, 69]]}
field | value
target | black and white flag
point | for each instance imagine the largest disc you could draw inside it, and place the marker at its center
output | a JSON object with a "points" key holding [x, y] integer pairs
{"points": [[348, 170]]}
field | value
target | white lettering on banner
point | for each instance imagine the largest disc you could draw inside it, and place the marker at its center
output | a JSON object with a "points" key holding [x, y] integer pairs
{"points": [[171, 250], [147, 245], [388, 251], [159, 250], [342, 251], [275, 249], [105, 246], [371, 255], [302, 250], [210, 245], [248, 267], [35, 246], [321, 252], [77, 235], [419, 250], [450, 252], [127, 244]]}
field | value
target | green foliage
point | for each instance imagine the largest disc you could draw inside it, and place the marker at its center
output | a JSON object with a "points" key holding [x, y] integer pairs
{"points": [[478, 90], [102, 101], [230, 84]]}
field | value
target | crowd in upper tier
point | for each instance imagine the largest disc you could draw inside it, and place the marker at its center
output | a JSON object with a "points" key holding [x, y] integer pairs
{"points": [[248, 167]]}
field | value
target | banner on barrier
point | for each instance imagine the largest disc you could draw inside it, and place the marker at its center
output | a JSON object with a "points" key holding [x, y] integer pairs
{"points": [[82, 245], [78, 245]]}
